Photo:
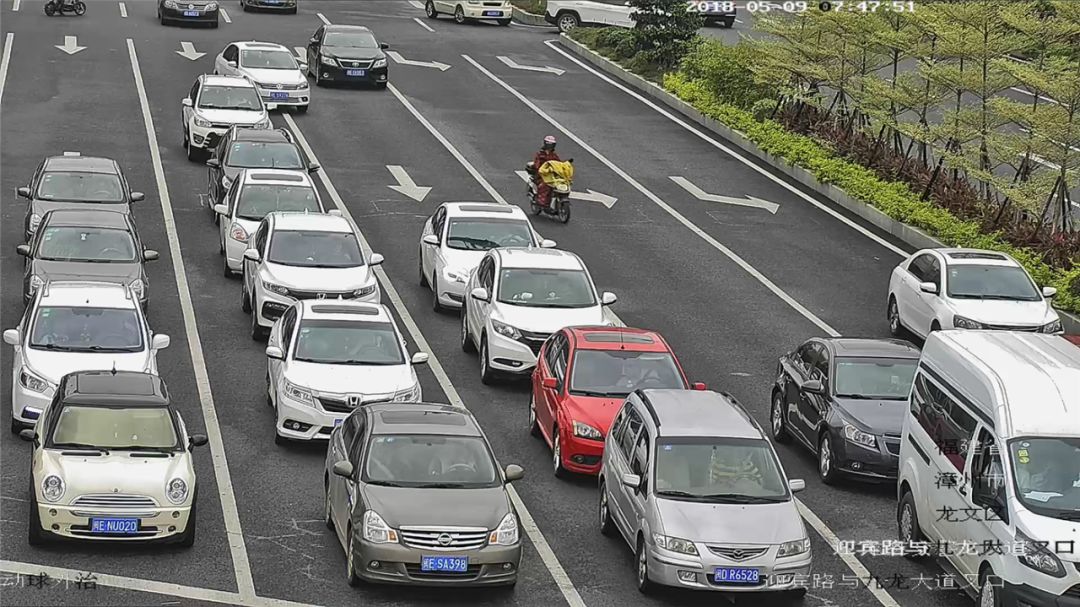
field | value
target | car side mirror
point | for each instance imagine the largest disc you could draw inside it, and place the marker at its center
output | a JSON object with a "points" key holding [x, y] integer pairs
{"points": [[813, 386], [23, 192], [275, 353], [632, 481], [928, 287], [28, 434], [186, 102], [419, 358], [384, 45], [150, 255], [221, 209], [547, 244], [313, 167], [699, 385], [313, 40], [480, 294], [213, 163], [513, 473], [608, 298], [375, 259], [11, 337], [23, 249], [160, 342], [344, 469], [251, 254], [335, 212], [432, 240], [796, 485], [550, 383], [1049, 292], [197, 440], [138, 197]]}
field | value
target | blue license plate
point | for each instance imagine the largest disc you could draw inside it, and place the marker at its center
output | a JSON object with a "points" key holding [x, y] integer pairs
{"points": [[118, 526], [337, 422], [450, 564], [493, 13], [191, 13], [355, 72], [273, 1], [278, 95], [736, 575]]}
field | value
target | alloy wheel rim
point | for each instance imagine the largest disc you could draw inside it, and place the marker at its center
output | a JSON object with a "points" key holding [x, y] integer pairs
{"points": [[567, 23], [643, 566], [987, 598], [894, 317], [603, 507], [556, 452], [825, 457], [532, 414], [483, 358], [777, 417], [906, 524]]}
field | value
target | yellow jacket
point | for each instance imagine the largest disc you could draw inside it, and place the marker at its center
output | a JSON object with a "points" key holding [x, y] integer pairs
{"points": [[554, 172]]}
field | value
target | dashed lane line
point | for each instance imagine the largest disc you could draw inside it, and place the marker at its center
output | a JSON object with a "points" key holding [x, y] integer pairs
{"points": [[15, 6], [5, 59], [123, 10], [245, 585], [225, 16], [423, 25], [323, 18], [547, 555]]}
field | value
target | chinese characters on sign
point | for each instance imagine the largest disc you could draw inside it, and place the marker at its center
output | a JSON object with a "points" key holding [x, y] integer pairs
{"points": [[41, 581]]}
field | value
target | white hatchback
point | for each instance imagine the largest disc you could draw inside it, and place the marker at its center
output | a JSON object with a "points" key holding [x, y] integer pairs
{"points": [[327, 357], [277, 74], [216, 103]]}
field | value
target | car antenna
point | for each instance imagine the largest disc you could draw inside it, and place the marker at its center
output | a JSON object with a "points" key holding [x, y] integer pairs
{"points": [[622, 341], [114, 366]]}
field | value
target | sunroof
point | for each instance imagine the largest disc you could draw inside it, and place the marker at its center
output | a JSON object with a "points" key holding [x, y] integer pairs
{"points": [[133, 384], [426, 418], [486, 208], [970, 255], [324, 309], [618, 338], [276, 177]]}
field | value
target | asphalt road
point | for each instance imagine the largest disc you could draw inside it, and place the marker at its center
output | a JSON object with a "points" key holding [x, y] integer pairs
{"points": [[731, 287]]}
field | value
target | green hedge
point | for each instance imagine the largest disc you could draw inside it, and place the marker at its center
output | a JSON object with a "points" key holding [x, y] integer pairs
{"points": [[697, 82]]}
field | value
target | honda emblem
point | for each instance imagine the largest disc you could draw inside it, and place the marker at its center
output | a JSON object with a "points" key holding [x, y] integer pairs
{"points": [[355, 400]]}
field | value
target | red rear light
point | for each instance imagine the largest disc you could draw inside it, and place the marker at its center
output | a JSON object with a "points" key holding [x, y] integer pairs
{"points": [[699, 386]]}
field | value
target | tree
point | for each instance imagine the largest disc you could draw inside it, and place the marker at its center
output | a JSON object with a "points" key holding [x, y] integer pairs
{"points": [[664, 30]]}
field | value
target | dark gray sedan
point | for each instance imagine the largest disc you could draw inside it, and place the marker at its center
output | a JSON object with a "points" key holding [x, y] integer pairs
{"points": [[845, 399], [86, 245], [415, 496]]}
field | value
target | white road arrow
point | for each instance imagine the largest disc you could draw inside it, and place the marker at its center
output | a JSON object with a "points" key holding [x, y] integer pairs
{"points": [[588, 195], [189, 51], [71, 45], [403, 61], [406, 185], [749, 201], [301, 53], [530, 68]]}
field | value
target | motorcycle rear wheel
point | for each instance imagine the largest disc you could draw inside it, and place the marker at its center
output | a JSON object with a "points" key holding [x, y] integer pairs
{"points": [[80, 8], [535, 208], [564, 211], [50, 9]]}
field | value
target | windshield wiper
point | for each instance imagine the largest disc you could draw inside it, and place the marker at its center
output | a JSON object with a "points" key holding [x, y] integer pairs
{"points": [[81, 446], [105, 349], [169, 450], [56, 347], [740, 498], [679, 494], [385, 483], [856, 396], [597, 394], [441, 486]]}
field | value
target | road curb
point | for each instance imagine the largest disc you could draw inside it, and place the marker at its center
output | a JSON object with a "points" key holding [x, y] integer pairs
{"points": [[525, 18], [911, 235]]}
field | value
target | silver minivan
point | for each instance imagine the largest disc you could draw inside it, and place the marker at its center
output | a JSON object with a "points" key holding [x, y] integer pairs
{"points": [[691, 482]]}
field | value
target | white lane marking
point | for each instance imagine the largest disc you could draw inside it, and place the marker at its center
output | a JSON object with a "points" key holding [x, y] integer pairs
{"points": [[749, 269], [423, 25], [406, 185], [15, 7], [123, 10], [1031, 94], [739, 21], [5, 60], [70, 45], [187, 51], [241, 566], [700, 194], [323, 18], [396, 56], [417, 4], [225, 16], [716, 144], [514, 65], [562, 580], [589, 195]]}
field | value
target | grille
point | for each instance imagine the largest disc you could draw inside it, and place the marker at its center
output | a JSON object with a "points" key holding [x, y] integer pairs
{"points": [[324, 294], [114, 500], [413, 569], [1013, 328], [444, 539], [282, 87], [1075, 590], [738, 553], [892, 444], [493, 3], [534, 340], [351, 63], [341, 404]]}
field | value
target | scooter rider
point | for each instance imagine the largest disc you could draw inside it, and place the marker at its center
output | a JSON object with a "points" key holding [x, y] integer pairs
{"points": [[546, 153]]}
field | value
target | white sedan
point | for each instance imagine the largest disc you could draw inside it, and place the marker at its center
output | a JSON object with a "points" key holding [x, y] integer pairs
{"points": [[277, 74]]}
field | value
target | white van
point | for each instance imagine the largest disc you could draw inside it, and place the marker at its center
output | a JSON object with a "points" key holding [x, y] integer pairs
{"points": [[990, 465]]}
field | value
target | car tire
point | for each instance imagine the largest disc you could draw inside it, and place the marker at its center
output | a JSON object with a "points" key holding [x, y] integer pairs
{"points": [[16, 427], [487, 376], [567, 21], [429, 9], [467, 345], [301, 109], [258, 332], [318, 78], [504, 22], [796, 595], [35, 535], [607, 525], [892, 313], [379, 86], [437, 307], [295, 10], [244, 7], [328, 517], [215, 25], [193, 153], [187, 538], [729, 23], [350, 566], [459, 15], [907, 524], [420, 269], [280, 440], [226, 271], [988, 585], [556, 454], [641, 557], [534, 428], [777, 423], [826, 460], [934, 326], [245, 299]]}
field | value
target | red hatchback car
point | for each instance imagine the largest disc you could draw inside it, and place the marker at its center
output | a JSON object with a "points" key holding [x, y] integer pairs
{"points": [[582, 376]]}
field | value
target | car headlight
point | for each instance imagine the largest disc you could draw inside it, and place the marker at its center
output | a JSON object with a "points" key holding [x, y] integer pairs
{"points": [[170, 4], [32, 382], [410, 395], [237, 232], [176, 491], [35, 221], [459, 276], [966, 323], [212, 6], [379, 62], [36, 283], [675, 544], [52, 488], [323, 59], [263, 124], [859, 437], [506, 534], [1039, 558], [586, 431], [1052, 327], [366, 291], [275, 288], [298, 393], [200, 121], [138, 288], [505, 330], [794, 548], [376, 530]]}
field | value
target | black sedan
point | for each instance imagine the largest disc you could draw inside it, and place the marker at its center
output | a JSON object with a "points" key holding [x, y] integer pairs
{"points": [[845, 400], [288, 6], [86, 245], [346, 53], [244, 148], [188, 11]]}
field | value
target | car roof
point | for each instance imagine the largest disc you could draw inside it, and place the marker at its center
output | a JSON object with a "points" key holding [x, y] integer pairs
{"points": [[1034, 377], [319, 222], [955, 256], [217, 80], [267, 135], [344, 309], [871, 348], [87, 294], [83, 218], [129, 388], [294, 177], [699, 413], [82, 164], [600, 337], [421, 418], [547, 259], [484, 209], [255, 44]]}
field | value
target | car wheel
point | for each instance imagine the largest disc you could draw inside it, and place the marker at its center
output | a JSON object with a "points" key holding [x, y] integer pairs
{"points": [[607, 526], [435, 305], [185, 142], [826, 461], [796, 595], [504, 22], [35, 535], [420, 270], [301, 109], [729, 23], [429, 8], [907, 523], [16, 427], [280, 440], [776, 419], [245, 300], [225, 269], [467, 345], [187, 538], [935, 326], [895, 328], [988, 585], [246, 8], [487, 376], [350, 566], [556, 454], [459, 15], [328, 517], [644, 584], [534, 428], [194, 154], [318, 78], [258, 332], [567, 22]]}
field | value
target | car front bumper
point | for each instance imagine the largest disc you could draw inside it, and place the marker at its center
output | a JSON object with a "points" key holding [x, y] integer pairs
{"points": [[858, 462], [177, 15], [273, 5], [302, 421], [776, 576], [205, 137], [486, 12], [581, 455], [508, 355], [1023, 595], [73, 522], [400, 564], [27, 405], [234, 250], [450, 293], [337, 73], [292, 97]]}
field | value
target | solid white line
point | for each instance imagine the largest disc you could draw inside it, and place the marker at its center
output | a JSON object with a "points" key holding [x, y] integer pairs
{"points": [[5, 60], [242, 567], [15, 7], [749, 269], [423, 25], [123, 10], [739, 21], [562, 580], [1031, 94], [417, 4], [225, 16], [716, 144], [323, 18]]}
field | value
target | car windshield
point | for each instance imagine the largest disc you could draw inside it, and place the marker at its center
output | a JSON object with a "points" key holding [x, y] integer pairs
{"points": [[258, 201], [616, 373], [991, 282], [1046, 472], [85, 329], [98, 245], [81, 187], [230, 98], [546, 288], [120, 428], [351, 39], [484, 234], [724, 470], [874, 378], [258, 155], [315, 249], [430, 461], [341, 342], [268, 60]]}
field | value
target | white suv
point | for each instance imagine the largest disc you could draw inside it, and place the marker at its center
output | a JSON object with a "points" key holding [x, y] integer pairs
{"points": [[568, 14], [517, 298], [457, 235], [216, 103], [294, 256], [277, 74], [325, 358], [967, 289], [76, 326]]}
